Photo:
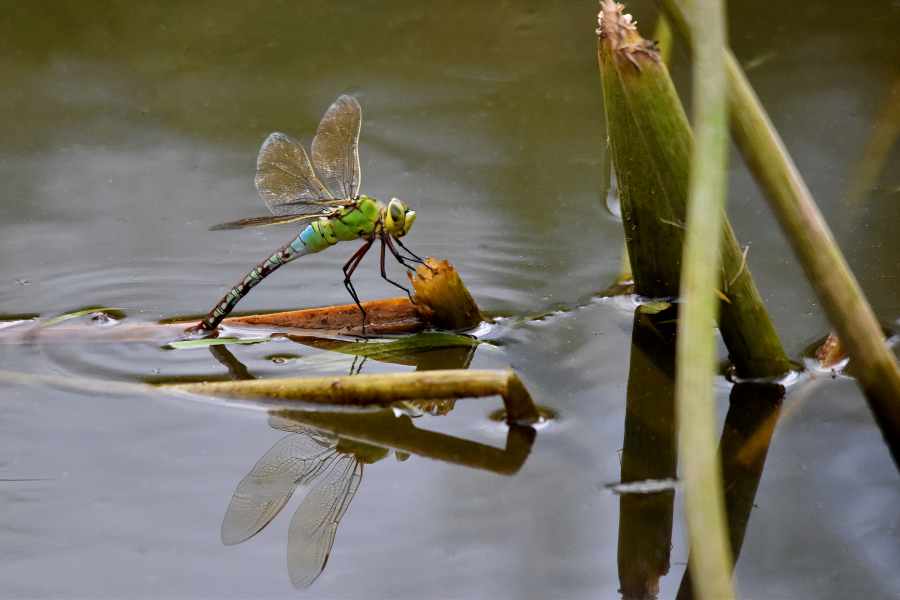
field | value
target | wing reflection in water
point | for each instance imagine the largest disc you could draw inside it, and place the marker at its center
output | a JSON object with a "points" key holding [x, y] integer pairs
{"points": [[296, 460], [314, 525], [331, 447]]}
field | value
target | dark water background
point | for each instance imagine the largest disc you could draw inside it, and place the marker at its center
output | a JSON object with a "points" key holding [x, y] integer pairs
{"points": [[127, 129]]}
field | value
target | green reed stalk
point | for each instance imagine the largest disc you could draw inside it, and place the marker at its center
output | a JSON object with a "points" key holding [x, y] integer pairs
{"points": [[664, 129], [701, 475], [652, 237], [842, 298], [746, 328]]}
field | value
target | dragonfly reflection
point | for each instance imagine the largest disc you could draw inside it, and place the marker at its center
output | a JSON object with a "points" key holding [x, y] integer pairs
{"points": [[296, 460]]}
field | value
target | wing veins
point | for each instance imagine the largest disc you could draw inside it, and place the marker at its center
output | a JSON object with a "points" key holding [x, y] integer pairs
{"points": [[298, 220], [306, 181]]}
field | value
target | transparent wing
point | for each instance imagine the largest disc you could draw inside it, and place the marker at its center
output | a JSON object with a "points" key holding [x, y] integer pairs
{"points": [[294, 220], [296, 459], [286, 180], [283, 422], [315, 523], [335, 148]]}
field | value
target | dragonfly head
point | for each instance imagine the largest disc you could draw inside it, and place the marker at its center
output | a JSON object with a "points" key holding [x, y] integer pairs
{"points": [[398, 218]]}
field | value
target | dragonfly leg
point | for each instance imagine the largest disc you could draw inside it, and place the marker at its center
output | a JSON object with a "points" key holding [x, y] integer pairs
{"points": [[386, 241], [411, 253], [403, 260], [349, 268]]}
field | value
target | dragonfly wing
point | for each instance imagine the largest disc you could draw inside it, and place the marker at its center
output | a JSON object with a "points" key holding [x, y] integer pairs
{"points": [[311, 533], [286, 180], [293, 220], [293, 461], [335, 148]]}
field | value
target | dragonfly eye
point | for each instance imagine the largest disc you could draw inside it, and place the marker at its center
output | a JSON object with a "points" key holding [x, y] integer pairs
{"points": [[396, 217], [410, 217]]}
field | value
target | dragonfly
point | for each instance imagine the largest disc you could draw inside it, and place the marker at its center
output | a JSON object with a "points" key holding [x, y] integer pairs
{"points": [[327, 213]]}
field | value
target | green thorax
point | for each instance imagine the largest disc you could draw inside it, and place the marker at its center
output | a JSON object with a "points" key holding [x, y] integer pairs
{"points": [[364, 218], [353, 221]]}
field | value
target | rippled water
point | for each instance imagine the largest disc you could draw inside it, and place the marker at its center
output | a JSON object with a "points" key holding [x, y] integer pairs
{"points": [[129, 130]]}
